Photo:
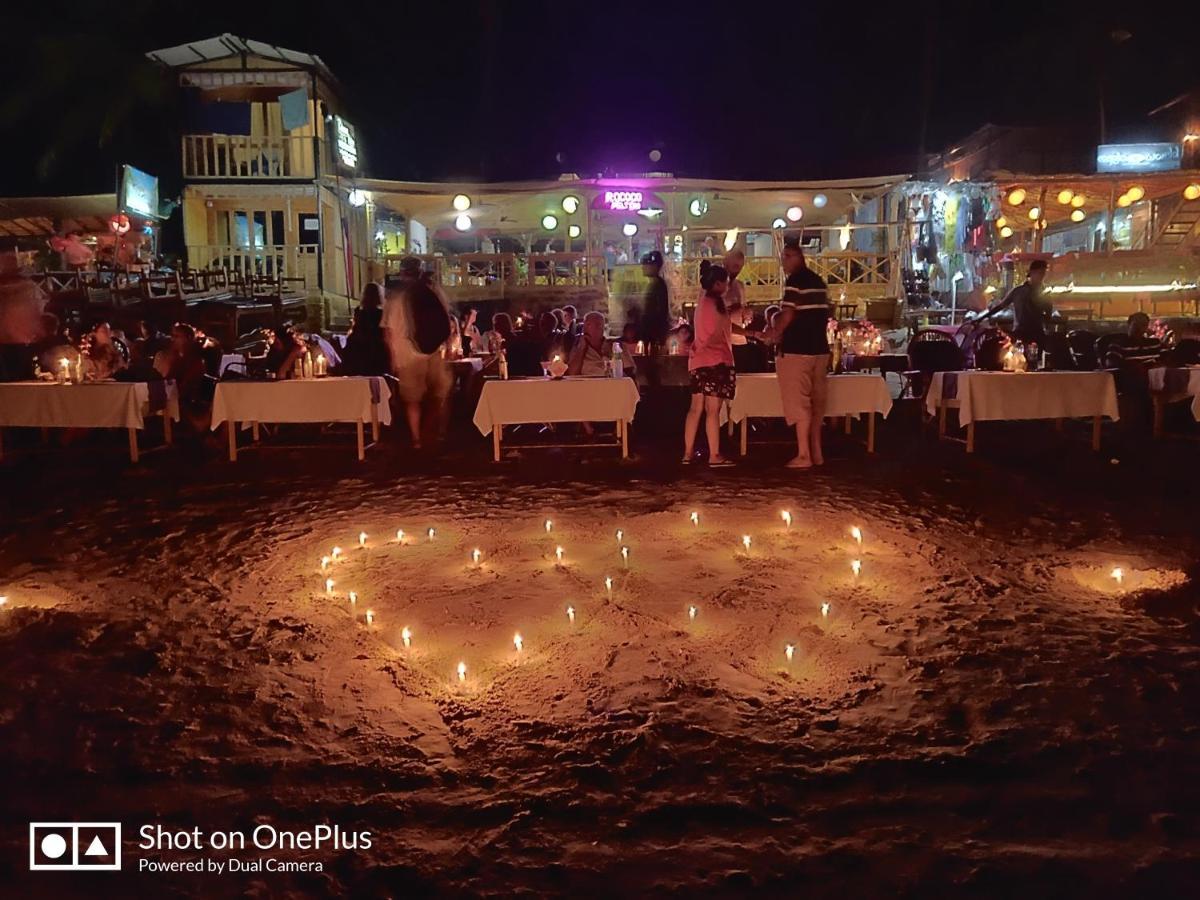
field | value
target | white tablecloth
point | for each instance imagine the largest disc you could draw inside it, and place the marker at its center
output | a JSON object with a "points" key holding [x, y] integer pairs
{"points": [[525, 400], [1008, 396], [302, 400], [1181, 380], [849, 395], [101, 404]]}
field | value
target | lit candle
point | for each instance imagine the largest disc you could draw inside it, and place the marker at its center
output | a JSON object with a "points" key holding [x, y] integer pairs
{"points": [[518, 641], [4, 603], [620, 535], [788, 651], [1118, 574], [692, 613], [353, 597], [335, 553], [362, 539], [399, 535], [856, 566], [431, 533], [824, 610], [856, 533], [64, 366], [406, 636], [328, 585], [475, 554], [462, 671], [548, 526], [625, 555], [787, 518], [746, 542], [558, 553], [324, 563], [571, 614], [370, 616], [608, 584], [695, 518]]}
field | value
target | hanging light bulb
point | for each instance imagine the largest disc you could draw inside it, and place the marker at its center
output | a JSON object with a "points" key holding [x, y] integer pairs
{"points": [[462, 222], [352, 597], [1065, 196], [1035, 213], [1191, 192], [1078, 215], [824, 610], [1001, 222], [1016, 196], [571, 614], [475, 555], [462, 671], [558, 553], [1006, 232], [518, 641], [1078, 200], [819, 201], [1136, 193], [692, 613], [370, 617], [789, 651], [787, 518], [461, 202], [779, 223], [794, 213]]}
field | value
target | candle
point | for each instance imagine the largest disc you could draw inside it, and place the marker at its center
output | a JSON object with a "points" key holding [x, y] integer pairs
{"points": [[406, 636], [475, 554], [324, 563], [608, 584], [558, 553], [462, 671], [400, 536], [4, 603], [695, 518], [692, 613], [353, 598], [620, 535], [625, 555], [548, 526], [518, 641], [856, 566], [64, 366], [788, 651], [1118, 574], [787, 518], [571, 614], [328, 585], [370, 616], [824, 610], [362, 539], [431, 533], [321, 365], [856, 533], [746, 542], [335, 553]]}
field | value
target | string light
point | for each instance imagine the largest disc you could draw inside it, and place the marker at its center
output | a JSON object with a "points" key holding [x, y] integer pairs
{"points": [[406, 636]]}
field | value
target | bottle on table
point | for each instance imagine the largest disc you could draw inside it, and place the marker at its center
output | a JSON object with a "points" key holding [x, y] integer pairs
{"points": [[618, 364], [503, 364]]}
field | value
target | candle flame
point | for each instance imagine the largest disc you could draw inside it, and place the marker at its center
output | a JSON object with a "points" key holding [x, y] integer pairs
{"points": [[370, 616], [353, 598], [518, 641], [362, 539], [462, 671], [856, 566], [608, 583], [329, 585], [406, 636], [1118, 574], [746, 541], [825, 610], [558, 552], [475, 554], [4, 602], [335, 553], [620, 535], [400, 535], [789, 650], [548, 526], [856, 533], [625, 554], [787, 518], [695, 518], [431, 533], [571, 614], [692, 613], [324, 563]]}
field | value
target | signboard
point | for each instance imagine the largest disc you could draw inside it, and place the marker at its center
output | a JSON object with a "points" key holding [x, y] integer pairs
{"points": [[138, 193], [622, 200], [346, 143], [1138, 157]]}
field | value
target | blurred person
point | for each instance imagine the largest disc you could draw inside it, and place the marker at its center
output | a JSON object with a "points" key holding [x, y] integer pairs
{"points": [[183, 363], [1136, 350], [803, 359], [416, 324], [103, 358], [1031, 311], [500, 335], [287, 346], [710, 366], [656, 311], [471, 338], [366, 352]]}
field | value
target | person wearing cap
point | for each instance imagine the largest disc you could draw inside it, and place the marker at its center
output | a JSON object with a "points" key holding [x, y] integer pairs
{"points": [[803, 358], [1030, 311], [656, 311]]}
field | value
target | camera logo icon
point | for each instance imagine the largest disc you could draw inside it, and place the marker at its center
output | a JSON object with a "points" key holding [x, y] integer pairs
{"points": [[74, 846]]}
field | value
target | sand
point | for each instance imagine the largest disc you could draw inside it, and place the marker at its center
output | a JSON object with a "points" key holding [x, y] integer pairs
{"points": [[982, 709]]}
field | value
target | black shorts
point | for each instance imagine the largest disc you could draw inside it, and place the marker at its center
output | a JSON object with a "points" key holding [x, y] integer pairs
{"points": [[713, 381]]}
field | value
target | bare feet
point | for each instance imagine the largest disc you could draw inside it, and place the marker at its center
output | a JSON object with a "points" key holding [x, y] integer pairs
{"points": [[799, 462]]}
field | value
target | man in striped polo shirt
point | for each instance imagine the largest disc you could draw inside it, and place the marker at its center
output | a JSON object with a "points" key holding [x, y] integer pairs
{"points": [[803, 358]]}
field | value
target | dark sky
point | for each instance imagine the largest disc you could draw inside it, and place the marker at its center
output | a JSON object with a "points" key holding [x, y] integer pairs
{"points": [[496, 89]]}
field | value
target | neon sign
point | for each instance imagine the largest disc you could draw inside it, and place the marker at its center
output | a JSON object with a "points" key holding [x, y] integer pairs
{"points": [[622, 201], [1138, 157]]}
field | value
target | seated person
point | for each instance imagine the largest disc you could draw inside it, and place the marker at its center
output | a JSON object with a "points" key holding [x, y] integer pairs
{"points": [[501, 334], [103, 359], [287, 346], [629, 335], [593, 350], [183, 362], [1135, 349], [366, 352], [472, 340]]}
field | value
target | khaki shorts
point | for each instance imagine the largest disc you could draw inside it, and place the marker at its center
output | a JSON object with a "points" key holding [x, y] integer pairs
{"points": [[802, 385], [423, 377]]}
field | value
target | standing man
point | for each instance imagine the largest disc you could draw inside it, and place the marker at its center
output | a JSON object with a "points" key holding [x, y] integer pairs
{"points": [[656, 311], [803, 358], [1030, 311]]}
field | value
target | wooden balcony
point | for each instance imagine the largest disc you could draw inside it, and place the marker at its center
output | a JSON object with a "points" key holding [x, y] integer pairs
{"points": [[232, 157], [286, 261]]}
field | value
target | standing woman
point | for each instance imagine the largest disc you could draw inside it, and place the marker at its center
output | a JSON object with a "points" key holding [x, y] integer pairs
{"points": [[710, 366]]}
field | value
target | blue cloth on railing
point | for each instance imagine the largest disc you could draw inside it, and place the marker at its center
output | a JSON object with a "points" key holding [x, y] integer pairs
{"points": [[158, 395]]}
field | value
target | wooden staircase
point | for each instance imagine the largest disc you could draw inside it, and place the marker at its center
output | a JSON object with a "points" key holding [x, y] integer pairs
{"points": [[1180, 228]]}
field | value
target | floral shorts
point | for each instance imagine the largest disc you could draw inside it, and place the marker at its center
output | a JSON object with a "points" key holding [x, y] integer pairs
{"points": [[713, 381]]}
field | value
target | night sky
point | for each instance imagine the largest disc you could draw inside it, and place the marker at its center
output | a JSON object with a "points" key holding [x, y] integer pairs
{"points": [[495, 90]]}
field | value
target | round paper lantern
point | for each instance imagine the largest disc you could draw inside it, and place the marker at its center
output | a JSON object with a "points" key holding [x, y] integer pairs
{"points": [[1017, 196], [462, 202], [794, 213], [1065, 197], [1192, 192]]}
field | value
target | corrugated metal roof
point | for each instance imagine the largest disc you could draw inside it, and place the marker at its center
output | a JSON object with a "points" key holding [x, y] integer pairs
{"points": [[227, 46]]}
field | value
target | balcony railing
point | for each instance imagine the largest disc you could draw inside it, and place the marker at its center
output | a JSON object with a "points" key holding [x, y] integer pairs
{"points": [[234, 156], [279, 260]]}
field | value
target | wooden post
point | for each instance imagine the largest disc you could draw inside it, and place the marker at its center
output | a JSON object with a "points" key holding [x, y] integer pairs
{"points": [[254, 431], [231, 431], [374, 423], [624, 427], [870, 432], [133, 448], [1096, 421], [496, 429], [362, 453], [971, 438]]}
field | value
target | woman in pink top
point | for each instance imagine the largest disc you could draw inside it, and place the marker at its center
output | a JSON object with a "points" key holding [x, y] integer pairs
{"points": [[710, 365]]}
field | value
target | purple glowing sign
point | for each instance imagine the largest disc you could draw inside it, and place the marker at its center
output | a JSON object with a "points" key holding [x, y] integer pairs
{"points": [[622, 201]]}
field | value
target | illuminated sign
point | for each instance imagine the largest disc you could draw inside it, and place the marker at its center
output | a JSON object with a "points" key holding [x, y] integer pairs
{"points": [[139, 193], [346, 142], [625, 200], [1138, 157]]}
